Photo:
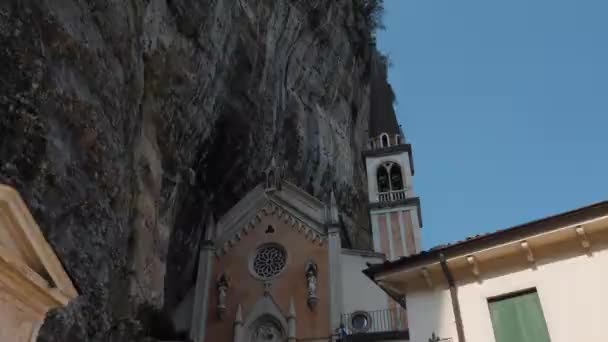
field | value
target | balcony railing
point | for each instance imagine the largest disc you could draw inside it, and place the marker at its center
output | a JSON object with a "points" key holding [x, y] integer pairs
{"points": [[379, 321], [390, 196]]}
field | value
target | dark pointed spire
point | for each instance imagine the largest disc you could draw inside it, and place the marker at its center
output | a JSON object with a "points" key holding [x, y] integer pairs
{"points": [[383, 118], [333, 209], [239, 315], [292, 309]]}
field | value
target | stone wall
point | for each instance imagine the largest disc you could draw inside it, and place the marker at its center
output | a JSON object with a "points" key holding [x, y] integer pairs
{"points": [[123, 122]]}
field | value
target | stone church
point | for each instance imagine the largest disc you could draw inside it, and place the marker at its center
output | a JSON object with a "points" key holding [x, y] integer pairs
{"points": [[273, 267]]}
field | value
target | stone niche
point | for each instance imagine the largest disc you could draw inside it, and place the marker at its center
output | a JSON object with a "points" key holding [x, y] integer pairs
{"points": [[32, 280]]}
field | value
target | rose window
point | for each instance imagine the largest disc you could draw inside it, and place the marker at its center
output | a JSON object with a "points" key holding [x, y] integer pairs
{"points": [[269, 261]]}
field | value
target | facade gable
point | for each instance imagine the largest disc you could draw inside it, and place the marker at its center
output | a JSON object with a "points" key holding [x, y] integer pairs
{"points": [[294, 207]]}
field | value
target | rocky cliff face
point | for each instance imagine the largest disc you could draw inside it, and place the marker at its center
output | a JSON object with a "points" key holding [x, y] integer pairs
{"points": [[123, 123]]}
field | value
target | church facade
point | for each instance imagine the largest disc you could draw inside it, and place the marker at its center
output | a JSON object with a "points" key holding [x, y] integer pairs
{"points": [[273, 267]]}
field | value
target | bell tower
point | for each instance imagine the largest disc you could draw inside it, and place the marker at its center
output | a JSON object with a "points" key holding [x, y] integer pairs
{"points": [[394, 207]]}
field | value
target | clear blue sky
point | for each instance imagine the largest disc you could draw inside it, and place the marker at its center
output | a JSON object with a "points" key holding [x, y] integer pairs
{"points": [[505, 104]]}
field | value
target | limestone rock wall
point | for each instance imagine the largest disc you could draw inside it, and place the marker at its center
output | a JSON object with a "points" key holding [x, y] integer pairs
{"points": [[123, 123]]}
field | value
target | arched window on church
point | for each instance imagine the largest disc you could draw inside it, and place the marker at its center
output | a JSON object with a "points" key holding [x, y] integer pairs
{"points": [[396, 178], [383, 180], [384, 141]]}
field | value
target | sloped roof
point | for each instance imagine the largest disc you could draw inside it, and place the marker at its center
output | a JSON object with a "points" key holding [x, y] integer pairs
{"points": [[486, 240]]}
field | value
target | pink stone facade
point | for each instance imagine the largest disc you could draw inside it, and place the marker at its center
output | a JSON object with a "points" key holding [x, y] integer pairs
{"points": [[395, 233]]}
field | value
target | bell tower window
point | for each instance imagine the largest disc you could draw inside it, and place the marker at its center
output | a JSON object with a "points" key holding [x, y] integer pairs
{"points": [[383, 180], [389, 178], [396, 180], [384, 141], [391, 186]]}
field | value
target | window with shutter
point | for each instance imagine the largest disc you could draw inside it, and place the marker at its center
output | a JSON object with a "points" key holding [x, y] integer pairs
{"points": [[518, 317]]}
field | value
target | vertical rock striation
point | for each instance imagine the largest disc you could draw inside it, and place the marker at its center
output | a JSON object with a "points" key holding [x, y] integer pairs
{"points": [[124, 123]]}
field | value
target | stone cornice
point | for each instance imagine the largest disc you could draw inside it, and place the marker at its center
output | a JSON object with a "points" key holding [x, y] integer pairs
{"points": [[363, 253], [297, 208], [29, 269]]}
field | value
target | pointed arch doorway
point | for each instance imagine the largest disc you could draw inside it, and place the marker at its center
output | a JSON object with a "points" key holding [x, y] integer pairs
{"points": [[266, 329]]}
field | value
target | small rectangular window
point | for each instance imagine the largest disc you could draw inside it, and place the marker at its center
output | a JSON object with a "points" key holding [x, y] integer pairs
{"points": [[518, 317]]}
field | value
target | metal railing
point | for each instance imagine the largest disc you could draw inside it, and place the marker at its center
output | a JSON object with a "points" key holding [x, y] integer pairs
{"points": [[385, 141], [390, 196], [374, 321]]}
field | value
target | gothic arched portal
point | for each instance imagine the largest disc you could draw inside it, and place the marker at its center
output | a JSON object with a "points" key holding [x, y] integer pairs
{"points": [[266, 329]]}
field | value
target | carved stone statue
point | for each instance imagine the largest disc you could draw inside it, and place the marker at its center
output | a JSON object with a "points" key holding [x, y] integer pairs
{"points": [[266, 331], [270, 181], [311, 282], [274, 175], [222, 289]]}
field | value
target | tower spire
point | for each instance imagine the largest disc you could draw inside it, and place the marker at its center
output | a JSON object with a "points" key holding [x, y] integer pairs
{"points": [[291, 322], [394, 207], [383, 118], [238, 324]]}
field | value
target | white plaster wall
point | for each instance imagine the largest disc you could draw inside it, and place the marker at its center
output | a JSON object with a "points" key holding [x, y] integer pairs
{"points": [[358, 291], [430, 312], [573, 294]]}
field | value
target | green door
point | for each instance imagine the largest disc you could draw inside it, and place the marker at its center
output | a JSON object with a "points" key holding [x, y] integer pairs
{"points": [[519, 318]]}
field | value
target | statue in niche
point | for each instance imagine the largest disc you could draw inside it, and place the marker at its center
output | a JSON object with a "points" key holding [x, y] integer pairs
{"points": [[274, 175], [222, 289], [270, 182], [311, 283]]}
